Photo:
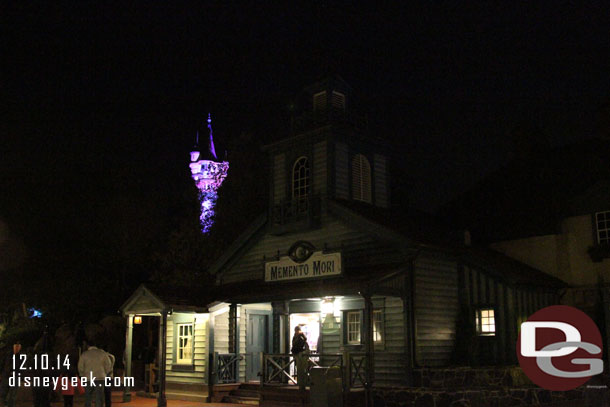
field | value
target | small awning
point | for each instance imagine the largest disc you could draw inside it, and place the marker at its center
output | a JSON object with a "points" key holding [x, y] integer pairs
{"points": [[145, 301]]}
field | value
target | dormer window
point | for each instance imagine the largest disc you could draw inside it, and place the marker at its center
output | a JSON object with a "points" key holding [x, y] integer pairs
{"points": [[338, 101], [361, 179], [602, 222], [300, 178], [319, 101]]}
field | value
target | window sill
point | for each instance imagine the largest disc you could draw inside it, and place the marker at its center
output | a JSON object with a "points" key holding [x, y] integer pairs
{"points": [[183, 368]]}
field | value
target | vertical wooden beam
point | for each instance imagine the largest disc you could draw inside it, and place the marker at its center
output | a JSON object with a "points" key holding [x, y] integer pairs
{"points": [[211, 368], [161, 400], [500, 321], [409, 321], [368, 343], [233, 340], [128, 352]]}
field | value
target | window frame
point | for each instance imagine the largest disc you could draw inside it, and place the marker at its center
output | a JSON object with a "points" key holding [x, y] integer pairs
{"points": [[381, 329], [182, 365], [478, 321], [307, 179], [360, 312], [605, 241]]}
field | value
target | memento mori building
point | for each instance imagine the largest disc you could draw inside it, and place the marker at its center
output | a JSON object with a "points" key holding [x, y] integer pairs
{"points": [[379, 290]]}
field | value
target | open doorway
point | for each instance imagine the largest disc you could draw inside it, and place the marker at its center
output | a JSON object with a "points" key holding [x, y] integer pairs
{"points": [[145, 345], [310, 325]]}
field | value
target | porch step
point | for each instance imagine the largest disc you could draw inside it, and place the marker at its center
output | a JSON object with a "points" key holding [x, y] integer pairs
{"points": [[246, 394], [251, 401]]}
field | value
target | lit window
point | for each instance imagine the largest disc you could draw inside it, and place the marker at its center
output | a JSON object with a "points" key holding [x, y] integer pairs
{"points": [[602, 222], [300, 178], [361, 179], [184, 352], [353, 327], [377, 326], [338, 100], [485, 322], [319, 101]]}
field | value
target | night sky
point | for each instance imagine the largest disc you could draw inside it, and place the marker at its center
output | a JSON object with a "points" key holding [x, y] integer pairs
{"points": [[93, 95]]}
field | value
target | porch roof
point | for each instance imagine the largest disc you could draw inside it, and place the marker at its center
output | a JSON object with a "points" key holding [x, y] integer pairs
{"points": [[352, 282], [145, 300]]}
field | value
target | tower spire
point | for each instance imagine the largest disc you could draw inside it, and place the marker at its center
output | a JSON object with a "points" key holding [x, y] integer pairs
{"points": [[212, 149]]}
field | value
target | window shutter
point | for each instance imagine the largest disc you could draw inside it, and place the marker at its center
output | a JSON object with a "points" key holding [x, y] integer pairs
{"points": [[319, 101], [361, 179], [338, 100]]}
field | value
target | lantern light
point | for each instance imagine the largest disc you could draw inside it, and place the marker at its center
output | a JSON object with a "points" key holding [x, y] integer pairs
{"points": [[137, 320]]}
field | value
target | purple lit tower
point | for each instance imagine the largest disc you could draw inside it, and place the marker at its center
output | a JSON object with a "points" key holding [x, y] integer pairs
{"points": [[208, 172]]}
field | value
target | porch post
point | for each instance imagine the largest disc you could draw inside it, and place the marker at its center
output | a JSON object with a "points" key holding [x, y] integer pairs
{"points": [[161, 400], [211, 359], [127, 356], [233, 338], [370, 351]]}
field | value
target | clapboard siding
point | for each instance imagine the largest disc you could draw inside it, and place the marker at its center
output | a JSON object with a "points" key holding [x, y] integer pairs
{"points": [[381, 181], [357, 248], [199, 375], [279, 178], [320, 168], [436, 307], [341, 171], [221, 332], [390, 362]]}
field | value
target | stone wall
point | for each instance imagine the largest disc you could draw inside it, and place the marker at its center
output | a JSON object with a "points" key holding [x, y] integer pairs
{"points": [[502, 386], [422, 397]]}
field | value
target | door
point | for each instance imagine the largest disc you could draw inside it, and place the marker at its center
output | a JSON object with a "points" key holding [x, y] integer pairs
{"points": [[257, 338]]}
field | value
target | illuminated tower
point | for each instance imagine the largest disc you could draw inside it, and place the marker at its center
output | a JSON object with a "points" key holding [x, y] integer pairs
{"points": [[208, 172]]}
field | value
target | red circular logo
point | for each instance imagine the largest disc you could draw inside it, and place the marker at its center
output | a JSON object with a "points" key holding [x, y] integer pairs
{"points": [[560, 348]]}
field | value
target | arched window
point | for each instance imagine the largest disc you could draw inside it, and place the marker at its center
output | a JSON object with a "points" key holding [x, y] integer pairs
{"points": [[361, 179], [300, 178]]}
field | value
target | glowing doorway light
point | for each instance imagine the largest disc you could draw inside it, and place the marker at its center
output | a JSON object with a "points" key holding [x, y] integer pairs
{"points": [[208, 172]]}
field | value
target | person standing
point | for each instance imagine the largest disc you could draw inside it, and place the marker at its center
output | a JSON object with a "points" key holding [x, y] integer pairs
{"points": [[108, 389], [300, 350], [94, 363], [8, 394]]}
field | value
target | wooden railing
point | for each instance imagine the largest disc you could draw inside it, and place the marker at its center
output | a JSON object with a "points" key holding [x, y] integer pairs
{"points": [[278, 368], [226, 367]]}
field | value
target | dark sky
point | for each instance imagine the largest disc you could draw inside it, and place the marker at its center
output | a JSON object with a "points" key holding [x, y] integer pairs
{"points": [[90, 90]]}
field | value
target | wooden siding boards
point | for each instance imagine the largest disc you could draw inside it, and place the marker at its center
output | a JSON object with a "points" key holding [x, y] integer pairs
{"points": [[436, 307], [357, 248], [320, 167], [390, 360], [381, 183], [279, 178], [199, 374], [221, 332], [341, 171]]}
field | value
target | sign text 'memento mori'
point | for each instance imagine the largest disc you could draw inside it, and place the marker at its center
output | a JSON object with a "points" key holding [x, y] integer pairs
{"points": [[318, 265]]}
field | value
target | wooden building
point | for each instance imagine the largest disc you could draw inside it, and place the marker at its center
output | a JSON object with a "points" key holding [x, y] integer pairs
{"points": [[380, 290]]}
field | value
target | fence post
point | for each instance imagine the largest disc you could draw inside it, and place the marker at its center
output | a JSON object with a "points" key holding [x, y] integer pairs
{"points": [[263, 372]]}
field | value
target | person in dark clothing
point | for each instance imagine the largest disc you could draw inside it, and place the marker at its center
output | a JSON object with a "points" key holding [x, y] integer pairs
{"points": [[8, 394], [300, 350]]}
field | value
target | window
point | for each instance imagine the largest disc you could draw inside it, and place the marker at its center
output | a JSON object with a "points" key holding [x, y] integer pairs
{"points": [[602, 222], [377, 326], [361, 179], [485, 322], [184, 351], [300, 178], [319, 101], [338, 100], [353, 327]]}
